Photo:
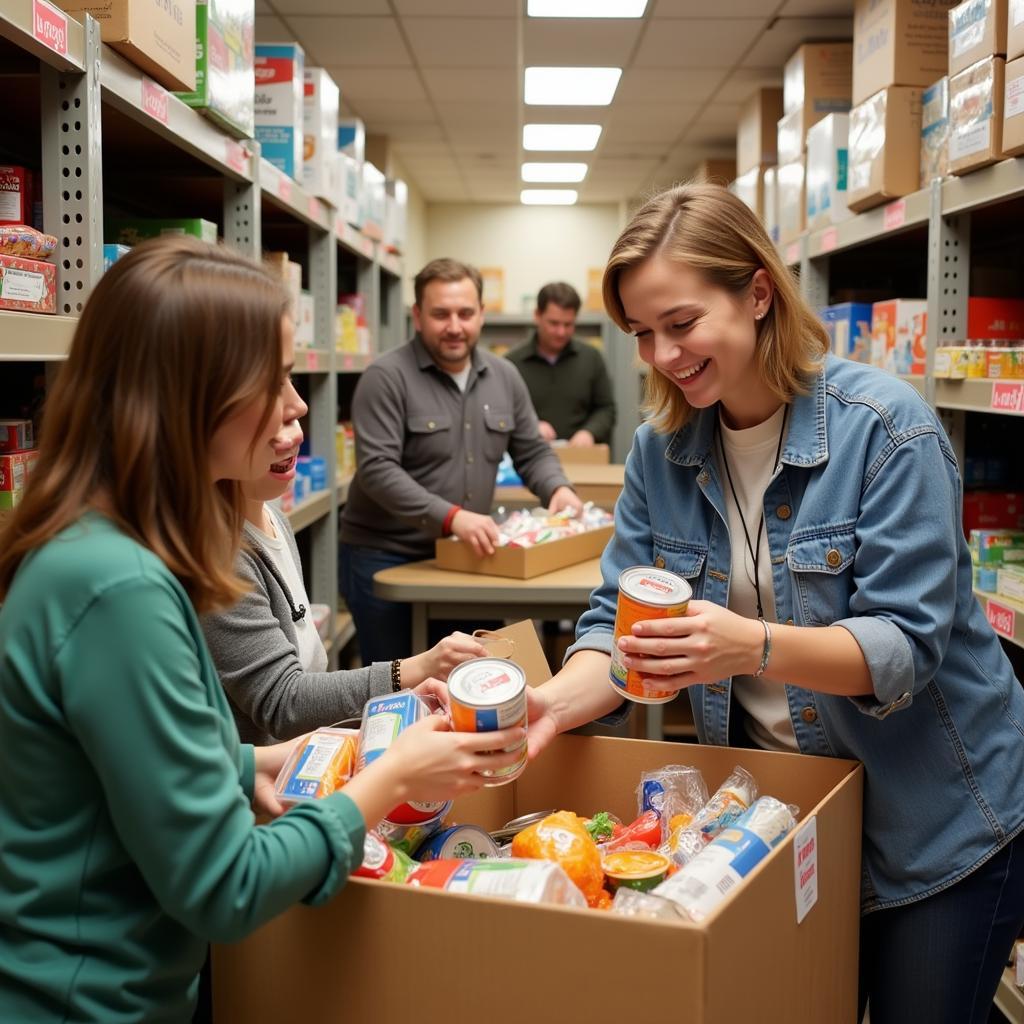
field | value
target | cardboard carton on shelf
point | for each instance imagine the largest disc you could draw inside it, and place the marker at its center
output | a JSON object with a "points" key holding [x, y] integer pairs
{"points": [[1015, 30], [791, 185], [757, 130], [320, 99], [935, 131], [817, 81], [827, 171], [977, 29], [280, 85], [849, 328], [976, 116], [1013, 109], [792, 138], [307, 960], [749, 187], [898, 329], [28, 286], [715, 172], [771, 203]]}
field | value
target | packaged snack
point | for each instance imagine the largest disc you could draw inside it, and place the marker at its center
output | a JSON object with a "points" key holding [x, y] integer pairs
{"points": [[21, 240], [643, 833], [633, 903], [15, 469], [677, 792], [27, 285], [526, 881], [411, 835], [562, 837], [15, 196], [636, 869], [731, 799], [460, 842], [383, 862], [317, 766]]}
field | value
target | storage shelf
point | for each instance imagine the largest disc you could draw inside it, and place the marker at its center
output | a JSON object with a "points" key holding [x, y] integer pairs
{"points": [[17, 18], [289, 195], [315, 507], [990, 185], [31, 336], [1005, 397], [344, 631], [391, 264], [343, 484], [352, 240], [915, 380], [1009, 998], [312, 360], [882, 222], [352, 362], [1009, 621]]}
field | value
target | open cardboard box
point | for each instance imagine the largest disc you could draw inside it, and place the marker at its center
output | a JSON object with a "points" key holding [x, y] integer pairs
{"points": [[595, 455], [523, 563], [387, 952]]}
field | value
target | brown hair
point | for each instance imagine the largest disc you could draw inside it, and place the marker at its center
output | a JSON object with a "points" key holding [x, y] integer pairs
{"points": [[176, 337], [715, 233], [560, 294], [447, 270]]}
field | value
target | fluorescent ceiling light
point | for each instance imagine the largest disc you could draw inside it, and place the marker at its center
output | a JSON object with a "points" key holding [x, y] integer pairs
{"points": [[548, 196], [586, 8], [554, 172], [561, 137], [592, 87]]}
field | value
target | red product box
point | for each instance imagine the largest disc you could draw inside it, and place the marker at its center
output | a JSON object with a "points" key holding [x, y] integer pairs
{"points": [[993, 510], [27, 285], [14, 474], [994, 319], [15, 195], [15, 435]]}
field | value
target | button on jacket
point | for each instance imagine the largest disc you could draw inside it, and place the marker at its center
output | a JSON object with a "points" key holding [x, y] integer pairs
{"points": [[422, 445], [865, 531]]}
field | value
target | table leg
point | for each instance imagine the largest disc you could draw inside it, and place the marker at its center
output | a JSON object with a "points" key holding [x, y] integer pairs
{"points": [[655, 721], [419, 627]]}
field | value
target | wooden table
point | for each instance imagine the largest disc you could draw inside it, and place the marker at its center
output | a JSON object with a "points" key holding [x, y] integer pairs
{"points": [[442, 594], [600, 484]]}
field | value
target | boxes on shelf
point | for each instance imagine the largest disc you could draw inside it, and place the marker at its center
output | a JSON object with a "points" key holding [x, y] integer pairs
{"points": [[15, 469], [16, 435], [791, 186], [849, 328], [756, 133], [278, 105], [373, 202], [749, 187], [994, 547], [935, 131], [817, 81], [993, 510], [290, 274], [352, 139], [159, 38], [345, 449], [1013, 108], [994, 318], [132, 230], [976, 116], [1015, 30], [715, 172], [350, 190], [1010, 582], [396, 214], [898, 42], [898, 329], [771, 203], [29, 286], [353, 331], [792, 137], [225, 76], [884, 148], [320, 126], [977, 29], [15, 195], [305, 321], [112, 252], [827, 171]]}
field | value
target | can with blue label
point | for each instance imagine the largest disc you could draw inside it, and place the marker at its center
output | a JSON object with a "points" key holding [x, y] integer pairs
{"points": [[460, 842]]}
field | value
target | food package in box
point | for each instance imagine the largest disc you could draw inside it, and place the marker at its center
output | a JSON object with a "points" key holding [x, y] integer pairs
{"points": [[976, 115], [278, 105], [15, 195], [935, 132], [132, 230], [977, 29], [225, 70], [757, 131], [112, 252], [884, 148], [373, 202], [898, 328], [827, 171], [989, 319], [849, 328], [749, 187], [1013, 108], [771, 203], [791, 184], [352, 139], [350, 189], [1010, 582], [304, 321], [16, 435], [27, 285], [951, 362], [290, 274], [396, 214], [22, 240], [320, 126], [15, 469], [355, 331]]}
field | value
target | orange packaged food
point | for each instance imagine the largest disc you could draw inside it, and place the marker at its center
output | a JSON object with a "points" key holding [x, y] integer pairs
{"points": [[562, 837], [318, 766]]}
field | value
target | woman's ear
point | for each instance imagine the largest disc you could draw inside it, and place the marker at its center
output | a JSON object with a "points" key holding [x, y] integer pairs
{"points": [[762, 291]]}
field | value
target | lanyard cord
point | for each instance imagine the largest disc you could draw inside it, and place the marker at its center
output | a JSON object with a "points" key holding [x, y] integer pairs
{"points": [[755, 550]]}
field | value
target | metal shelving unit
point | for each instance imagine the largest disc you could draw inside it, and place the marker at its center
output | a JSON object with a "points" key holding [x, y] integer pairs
{"points": [[883, 221], [1009, 998], [1005, 616], [25, 336], [311, 510], [313, 360]]}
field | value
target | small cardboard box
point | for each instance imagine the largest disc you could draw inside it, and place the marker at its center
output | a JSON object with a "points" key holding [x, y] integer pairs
{"points": [[976, 116], [827, 161], [320, 99], [1013, 109], [595, 455], [350, 190], [1015, 30], [898, 329], [279, 105], [523, 563], [159, 38], [792, 137], [849, 327], [372, 197], [935, 132], [132, 230], [885, 148], [15, 469], [307, 962], [29, 286], [771, 203], [757, 129], [352, 139], [898, 42], [994, 319], [749, 187], [715, 172], [396, 215], [977, 29], [817, 81], [791, 185]]}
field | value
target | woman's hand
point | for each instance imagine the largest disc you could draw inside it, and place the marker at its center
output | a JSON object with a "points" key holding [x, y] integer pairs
{"points": [[441, 659], [543, 726], [706, 644], [269, 762]]}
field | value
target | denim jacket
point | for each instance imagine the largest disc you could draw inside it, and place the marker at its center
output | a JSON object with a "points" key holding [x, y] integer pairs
{"points": [[865, 531]]}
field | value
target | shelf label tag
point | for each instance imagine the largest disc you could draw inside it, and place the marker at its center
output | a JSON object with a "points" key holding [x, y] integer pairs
{"points": [[235, 156], [347, 361], [314, 208], [1007, 397], [313, 361], [155, 100], [895, 215], [793, 252], [284, 187], [830, 239], [50, 27], [1002, 619]]}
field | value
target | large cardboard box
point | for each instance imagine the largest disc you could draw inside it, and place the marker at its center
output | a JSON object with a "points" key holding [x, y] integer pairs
{"points": [[159, 38], [320, 99], [898, 42], [1013, 109], [827, 162], [935, 132], [753, 959], [976, 116], [1015, 30], [791, 143], [885, 148], [715, 172], [791, 186], [523, 563], [749, 186], [280, 85], [771, 203], [594, 455], [396, 215], [756, 132], [977, 29], [817, 81]]}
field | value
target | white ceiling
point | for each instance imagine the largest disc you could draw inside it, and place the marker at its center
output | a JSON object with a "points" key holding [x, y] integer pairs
{"points": [[442, 79]]}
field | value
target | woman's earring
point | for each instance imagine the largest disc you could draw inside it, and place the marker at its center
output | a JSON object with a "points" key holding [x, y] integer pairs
{"points": [[757, 316]]}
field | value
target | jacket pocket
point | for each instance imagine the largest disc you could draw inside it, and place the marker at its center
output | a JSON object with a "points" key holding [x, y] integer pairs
{"points": [[822, 568], [683, 558], [498, 427], [428, 437]]}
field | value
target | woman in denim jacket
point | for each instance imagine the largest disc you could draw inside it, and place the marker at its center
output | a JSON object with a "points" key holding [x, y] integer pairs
{"points": [[814, 505]]}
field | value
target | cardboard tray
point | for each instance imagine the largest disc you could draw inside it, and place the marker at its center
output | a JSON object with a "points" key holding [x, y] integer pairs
{"points": [[523, 563], [385, 952], [595, 455]]}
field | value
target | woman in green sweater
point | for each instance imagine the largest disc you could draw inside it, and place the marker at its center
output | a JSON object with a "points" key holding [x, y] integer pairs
{"points": [[127, 834]]}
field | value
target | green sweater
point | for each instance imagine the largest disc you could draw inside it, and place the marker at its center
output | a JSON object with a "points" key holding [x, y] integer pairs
{"points": [[127, 841]]}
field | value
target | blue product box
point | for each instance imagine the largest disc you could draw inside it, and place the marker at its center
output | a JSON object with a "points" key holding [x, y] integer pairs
{"points": [[280, 69], [849, 329], [318, 473], [112, 253]]}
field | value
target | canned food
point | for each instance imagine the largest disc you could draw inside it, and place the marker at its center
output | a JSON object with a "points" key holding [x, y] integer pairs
{"points": [[408, 836], [512, 828], [527, 881], [382, 861], [460, 842], [644, 593], [317, 767], [636, 869], [486, 694]]}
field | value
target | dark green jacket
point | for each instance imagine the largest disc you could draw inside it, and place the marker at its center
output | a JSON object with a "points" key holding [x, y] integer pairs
{"points": [[574, 394]]}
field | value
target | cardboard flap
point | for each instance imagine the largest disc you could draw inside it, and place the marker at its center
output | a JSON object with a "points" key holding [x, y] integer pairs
{"points": [[518, 643]]}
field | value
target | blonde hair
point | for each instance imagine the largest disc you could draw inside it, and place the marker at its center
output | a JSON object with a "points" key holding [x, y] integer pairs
{"points": [[175, 338], [708, 229]]}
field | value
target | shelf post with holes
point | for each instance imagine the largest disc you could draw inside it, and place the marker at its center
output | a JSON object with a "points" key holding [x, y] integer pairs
{"points": [[242, 209]]}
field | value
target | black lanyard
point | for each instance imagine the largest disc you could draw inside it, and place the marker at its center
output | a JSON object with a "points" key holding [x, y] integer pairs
{"points": [[755, 550]]}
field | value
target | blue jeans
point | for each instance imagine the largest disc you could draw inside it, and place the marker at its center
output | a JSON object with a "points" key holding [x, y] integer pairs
{"points": [[939, 960]]}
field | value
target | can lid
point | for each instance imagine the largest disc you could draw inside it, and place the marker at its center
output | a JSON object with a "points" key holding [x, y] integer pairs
{"points": [[654, 586], [486, 681], [517, 825]]}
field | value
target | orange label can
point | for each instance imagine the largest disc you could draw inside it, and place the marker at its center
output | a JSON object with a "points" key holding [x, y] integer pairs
{"points": [[644, 593]]}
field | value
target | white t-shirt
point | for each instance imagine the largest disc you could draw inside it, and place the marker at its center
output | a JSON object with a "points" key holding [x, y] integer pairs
{"points": [[461, 378], [312, 655], [750, 453]]}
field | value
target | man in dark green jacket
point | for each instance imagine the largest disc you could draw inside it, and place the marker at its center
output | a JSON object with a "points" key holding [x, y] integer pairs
{"points": [[567, 379]]}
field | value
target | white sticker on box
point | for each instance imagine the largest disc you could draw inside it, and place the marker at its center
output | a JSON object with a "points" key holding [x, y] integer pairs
{"points": [[1016, 12], [805, 865], [965, 141], [10, 207], [1014, 98], [22, 285], [972, 35]]}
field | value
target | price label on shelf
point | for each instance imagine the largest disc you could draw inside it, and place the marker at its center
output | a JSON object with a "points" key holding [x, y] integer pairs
{"points": [[895, 215], [284, 187], [1007, 397], [339, 227], [313, 361], [155, 100], [368, 248], [314, 208], [50, 27], [830, 239], [235, 156], [793, 252], [1002, 619], [347, 361]]}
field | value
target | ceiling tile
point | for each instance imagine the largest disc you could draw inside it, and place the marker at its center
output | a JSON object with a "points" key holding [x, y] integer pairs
{"points": [[471, 83], [332, 7], [271, 30], [430, 167], [459, 8], [575, 42], [616, 167], [462, 42], [413, 149], [744, 82], [376, 83], [351, 42], [667, 85], [722, 9], [467, 114], [408, 131], [719, 115], [816, 9], [566, 115], [776, 45], [696, 43], [639, 122], [372, 111], [633, 150]]}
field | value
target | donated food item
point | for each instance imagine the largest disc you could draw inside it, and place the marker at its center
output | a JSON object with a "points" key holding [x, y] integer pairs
{"points": [[563, 838], [383, 862], [642, 834], [317, 766], [21, 240], [15, 195], [644, 593], [411, 835], [636, 869], [15, 470], [633, 903], [460, 842], [29, 286], [486, 694], [731, 799], [16, 435], [512, 828], [527, 528], [603, 826], [526, 881], [677, 792], [702, 884]]}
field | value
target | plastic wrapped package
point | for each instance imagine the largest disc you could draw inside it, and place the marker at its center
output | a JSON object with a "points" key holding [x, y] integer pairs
{"points": [[976, 115], [633, 903], [866, 140], [526, 881], [21, 240], [790, 184], [562, 837], [730, 800], [749, 187], [677, 792], [935, 131], [317, 766]]}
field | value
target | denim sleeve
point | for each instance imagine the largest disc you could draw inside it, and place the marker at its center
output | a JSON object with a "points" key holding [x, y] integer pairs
{"points": [[905, 568]]}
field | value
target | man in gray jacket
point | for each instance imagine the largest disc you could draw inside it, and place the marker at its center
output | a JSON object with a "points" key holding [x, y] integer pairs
{"points": [[432, 420]]}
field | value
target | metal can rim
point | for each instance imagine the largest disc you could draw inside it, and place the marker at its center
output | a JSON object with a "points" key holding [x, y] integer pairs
{"points": [[685, 590], [456, 686]]}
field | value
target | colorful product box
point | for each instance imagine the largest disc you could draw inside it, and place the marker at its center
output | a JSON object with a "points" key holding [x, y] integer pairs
{"points": [[1010, 582], [935, 132], [15, 469], [373, 202], [131, 231], [278, 105], [29, 286], [989, 319], [350, 190], [319, 127], [16, 435], [993, 547], [304, 321], [352, 139], [826, 171], [993, 510], [15, 195], [112, 253], [898, 329], [849, 327]]}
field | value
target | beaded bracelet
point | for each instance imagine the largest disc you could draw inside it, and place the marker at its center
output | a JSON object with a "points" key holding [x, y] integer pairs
{"points": [[396, 675], [766, 653]]}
